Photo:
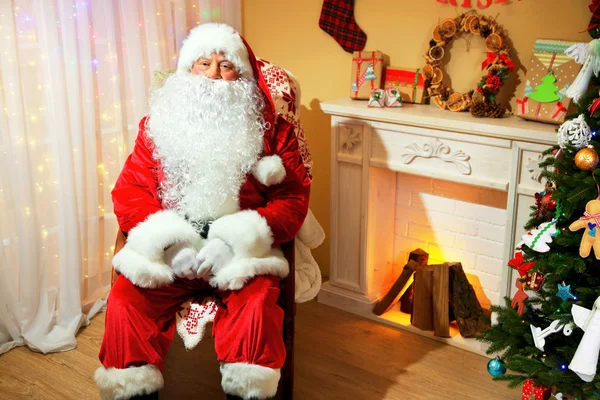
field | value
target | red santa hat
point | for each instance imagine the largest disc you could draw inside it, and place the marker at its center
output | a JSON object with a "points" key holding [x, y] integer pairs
{"points": [[209, 38]]}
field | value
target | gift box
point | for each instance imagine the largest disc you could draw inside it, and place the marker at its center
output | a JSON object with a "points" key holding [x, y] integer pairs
{"points": [[533, 281], [533, 392], [550, 74], [409, 81], [367, 71], [377, 98], [393, 98]]}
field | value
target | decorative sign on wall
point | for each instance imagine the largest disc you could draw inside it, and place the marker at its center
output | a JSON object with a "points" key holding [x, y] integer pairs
{"points": [[483, 4]]}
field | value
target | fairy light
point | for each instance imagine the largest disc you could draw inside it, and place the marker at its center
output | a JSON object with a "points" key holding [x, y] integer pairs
{"points": [[44, 233]]}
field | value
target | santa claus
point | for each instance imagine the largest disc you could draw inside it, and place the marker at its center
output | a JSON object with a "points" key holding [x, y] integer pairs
{"points": [[214, 185]]}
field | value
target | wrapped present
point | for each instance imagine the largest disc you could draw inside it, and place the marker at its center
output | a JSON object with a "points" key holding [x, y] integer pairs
{"points": [[377, 98], [533, 281], [409, 81], [533, 392], [393, 98], [550, 74], [367, 68]]}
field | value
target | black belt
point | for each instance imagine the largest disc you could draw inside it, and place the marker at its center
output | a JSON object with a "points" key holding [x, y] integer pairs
{"points": [[201, 227]]}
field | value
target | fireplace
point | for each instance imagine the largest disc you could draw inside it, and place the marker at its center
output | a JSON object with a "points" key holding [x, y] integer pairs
{"points": [[418, 177]]}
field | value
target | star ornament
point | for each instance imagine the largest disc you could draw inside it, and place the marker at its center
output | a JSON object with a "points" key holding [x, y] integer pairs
{"points": [[564, 292]]}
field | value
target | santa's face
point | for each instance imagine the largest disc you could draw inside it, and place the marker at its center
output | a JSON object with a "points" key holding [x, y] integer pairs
{"points": [[215, 67], [208, 134]]}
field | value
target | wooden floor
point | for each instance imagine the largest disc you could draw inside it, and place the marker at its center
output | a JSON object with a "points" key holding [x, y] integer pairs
{"points": [[338, 356]]}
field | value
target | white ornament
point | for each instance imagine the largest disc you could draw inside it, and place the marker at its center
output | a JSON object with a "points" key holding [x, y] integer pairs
{"points": [[575, 132], [585, 54], [539, 335], [538, 239], [585, 360]]}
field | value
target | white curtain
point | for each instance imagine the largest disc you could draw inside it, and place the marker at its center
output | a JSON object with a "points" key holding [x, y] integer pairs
{"points": [[74, 79]]}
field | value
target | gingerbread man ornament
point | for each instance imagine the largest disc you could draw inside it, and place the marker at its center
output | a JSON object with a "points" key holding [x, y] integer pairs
{"points": [[591, 222]]}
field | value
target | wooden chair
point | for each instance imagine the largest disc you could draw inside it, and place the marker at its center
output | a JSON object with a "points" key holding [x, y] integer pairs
{"points": [[287, 302]]}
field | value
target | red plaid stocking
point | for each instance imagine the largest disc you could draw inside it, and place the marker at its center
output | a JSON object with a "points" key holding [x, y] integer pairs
{"points": [[337, 19]]}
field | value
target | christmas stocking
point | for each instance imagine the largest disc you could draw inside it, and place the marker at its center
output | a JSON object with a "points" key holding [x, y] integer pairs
{"points": [[337, 19]]}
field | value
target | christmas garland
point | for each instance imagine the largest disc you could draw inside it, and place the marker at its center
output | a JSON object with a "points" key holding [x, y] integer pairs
{"points": [[497, 65]]}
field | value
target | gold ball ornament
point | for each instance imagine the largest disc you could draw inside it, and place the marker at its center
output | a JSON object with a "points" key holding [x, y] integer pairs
{"points": [[587, 158]]}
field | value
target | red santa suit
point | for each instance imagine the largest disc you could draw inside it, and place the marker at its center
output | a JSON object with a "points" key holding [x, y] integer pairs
{"points": [[273, 203]]}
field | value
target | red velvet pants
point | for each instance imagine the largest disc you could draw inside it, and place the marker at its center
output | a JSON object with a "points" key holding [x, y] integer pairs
{"points": [[140, 323]]}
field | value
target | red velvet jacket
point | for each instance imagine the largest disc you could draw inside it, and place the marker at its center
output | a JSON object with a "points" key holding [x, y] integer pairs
{"points": [[273, 204]]}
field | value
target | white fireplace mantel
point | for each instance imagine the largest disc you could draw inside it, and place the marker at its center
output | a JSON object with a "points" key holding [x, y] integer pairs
{"points": [[369, 146]]}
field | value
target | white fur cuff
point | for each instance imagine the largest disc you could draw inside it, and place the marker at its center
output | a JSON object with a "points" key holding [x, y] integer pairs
{"points": [[234, 275], [247, 232], [249, 381], [159, 231], [121, 384], [141, 260], [140, 270], [269, 170]]}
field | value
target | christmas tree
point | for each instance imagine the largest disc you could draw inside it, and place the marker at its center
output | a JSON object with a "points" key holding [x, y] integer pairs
{"points": [[550, 330], [545, 92]]}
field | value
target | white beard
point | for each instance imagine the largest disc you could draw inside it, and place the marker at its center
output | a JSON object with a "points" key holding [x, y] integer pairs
{"points": [[208, 134]]}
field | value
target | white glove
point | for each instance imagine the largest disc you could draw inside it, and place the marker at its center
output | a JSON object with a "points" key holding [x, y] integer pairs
{"points": [[181, 257], [212, 257]]}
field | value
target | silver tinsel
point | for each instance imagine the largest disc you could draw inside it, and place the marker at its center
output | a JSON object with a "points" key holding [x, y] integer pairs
{"points": [[575, 132]]}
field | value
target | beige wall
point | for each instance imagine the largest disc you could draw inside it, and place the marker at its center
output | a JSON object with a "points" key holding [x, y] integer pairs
{"points": [[287, 33]]}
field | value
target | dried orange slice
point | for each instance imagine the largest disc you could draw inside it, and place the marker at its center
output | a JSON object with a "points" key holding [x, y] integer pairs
{"points": [[436, 53], [466, 101], [455, 102], [493, 43], [437, 100], [436, 34], [427, 72], [468, 21], [437, 76], [474, 27], [448, 28]]}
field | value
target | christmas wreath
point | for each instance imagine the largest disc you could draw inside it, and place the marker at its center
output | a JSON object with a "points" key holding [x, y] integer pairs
{"points": [[497, 66]]}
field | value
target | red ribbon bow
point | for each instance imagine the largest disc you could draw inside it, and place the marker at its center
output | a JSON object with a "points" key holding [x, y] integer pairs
{"points": [[595, 217], [594, 106], [507, 61], [491, 57], [517, 262], [559, 109], [522, 103]]}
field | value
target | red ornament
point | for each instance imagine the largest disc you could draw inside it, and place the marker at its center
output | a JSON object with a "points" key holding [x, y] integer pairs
{"points": [[517, 262], [519, 298], [544, 203], [594, 106], [533, 281]]}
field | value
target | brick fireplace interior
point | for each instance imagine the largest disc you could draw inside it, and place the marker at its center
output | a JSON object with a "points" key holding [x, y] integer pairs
{"points": [[453, 222]]}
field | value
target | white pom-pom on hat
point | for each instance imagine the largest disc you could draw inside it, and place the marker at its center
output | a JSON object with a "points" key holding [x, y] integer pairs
{"points": [[209, 38]]}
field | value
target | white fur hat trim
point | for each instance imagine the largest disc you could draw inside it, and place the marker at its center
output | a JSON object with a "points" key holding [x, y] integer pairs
{"points": [[209, 38]]}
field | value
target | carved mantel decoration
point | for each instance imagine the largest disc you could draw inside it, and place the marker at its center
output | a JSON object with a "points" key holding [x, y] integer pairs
{"points": [[436, 149], [348, 138]]}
